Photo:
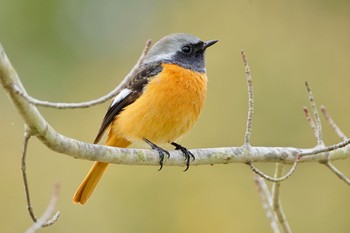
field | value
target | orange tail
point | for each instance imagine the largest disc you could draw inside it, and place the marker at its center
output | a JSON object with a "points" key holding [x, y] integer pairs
{"points": [[89, 183], [93, 177]]}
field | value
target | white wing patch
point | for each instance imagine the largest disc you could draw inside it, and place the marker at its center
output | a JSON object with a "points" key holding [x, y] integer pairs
{"points": [[121, 96]]}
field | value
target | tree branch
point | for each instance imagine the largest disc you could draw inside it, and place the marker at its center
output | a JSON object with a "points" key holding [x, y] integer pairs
{"points": [[317, 125], [247, 145], [82, 150], [276, 178], [44, 220], [343, 137], [318, 134], [337, 172], [248, 74]]}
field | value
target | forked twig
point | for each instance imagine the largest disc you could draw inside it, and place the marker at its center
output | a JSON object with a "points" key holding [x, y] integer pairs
{"points": [[44, 221], [326, 149], [345, 140], [248, 132], [318, 134]]}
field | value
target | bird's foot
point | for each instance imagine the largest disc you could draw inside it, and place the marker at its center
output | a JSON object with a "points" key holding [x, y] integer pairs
{"points": [[160, 151], [188, 155]]}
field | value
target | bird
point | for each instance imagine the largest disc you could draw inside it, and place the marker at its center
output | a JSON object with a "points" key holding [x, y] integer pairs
{"points": [[160, 104]]}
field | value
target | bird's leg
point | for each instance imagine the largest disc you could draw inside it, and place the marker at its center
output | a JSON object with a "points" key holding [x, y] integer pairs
{"points": [[160, 151], [188, 155]]}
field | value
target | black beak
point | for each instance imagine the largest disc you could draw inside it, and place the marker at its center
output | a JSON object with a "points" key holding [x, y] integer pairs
{"points": [[209, 43]]}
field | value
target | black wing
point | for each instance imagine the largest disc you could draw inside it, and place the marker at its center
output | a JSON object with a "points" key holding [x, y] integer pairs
{"points": [[135, 86]]}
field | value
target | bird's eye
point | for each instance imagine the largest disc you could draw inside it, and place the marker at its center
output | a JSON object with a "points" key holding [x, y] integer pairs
{"points": [[186, 49]]}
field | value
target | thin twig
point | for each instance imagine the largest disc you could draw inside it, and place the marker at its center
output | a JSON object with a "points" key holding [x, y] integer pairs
{"points": [[326, 149], [318, 125], [343, 137], [265, 196], [43, 221], [27, 136], [279, 167], [261, 184], [247, 145], [337, 172], [276, 200], [327, 161], [310, 120], [90, 103], [248, 131], [333, 124], [318, 134], [275, 179]]}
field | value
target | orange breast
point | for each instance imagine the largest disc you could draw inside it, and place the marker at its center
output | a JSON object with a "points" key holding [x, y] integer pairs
{"points": [[168, 108]]}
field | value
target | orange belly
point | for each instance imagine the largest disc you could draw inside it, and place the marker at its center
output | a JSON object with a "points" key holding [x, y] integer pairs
{"points": [[168, 108]]}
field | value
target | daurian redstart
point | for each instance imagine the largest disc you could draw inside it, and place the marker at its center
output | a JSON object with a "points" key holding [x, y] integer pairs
{"points": [[159, 105]]}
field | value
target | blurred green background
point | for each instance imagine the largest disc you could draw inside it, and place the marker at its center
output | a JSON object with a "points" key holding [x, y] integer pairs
{"points": [[79, 50]]}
